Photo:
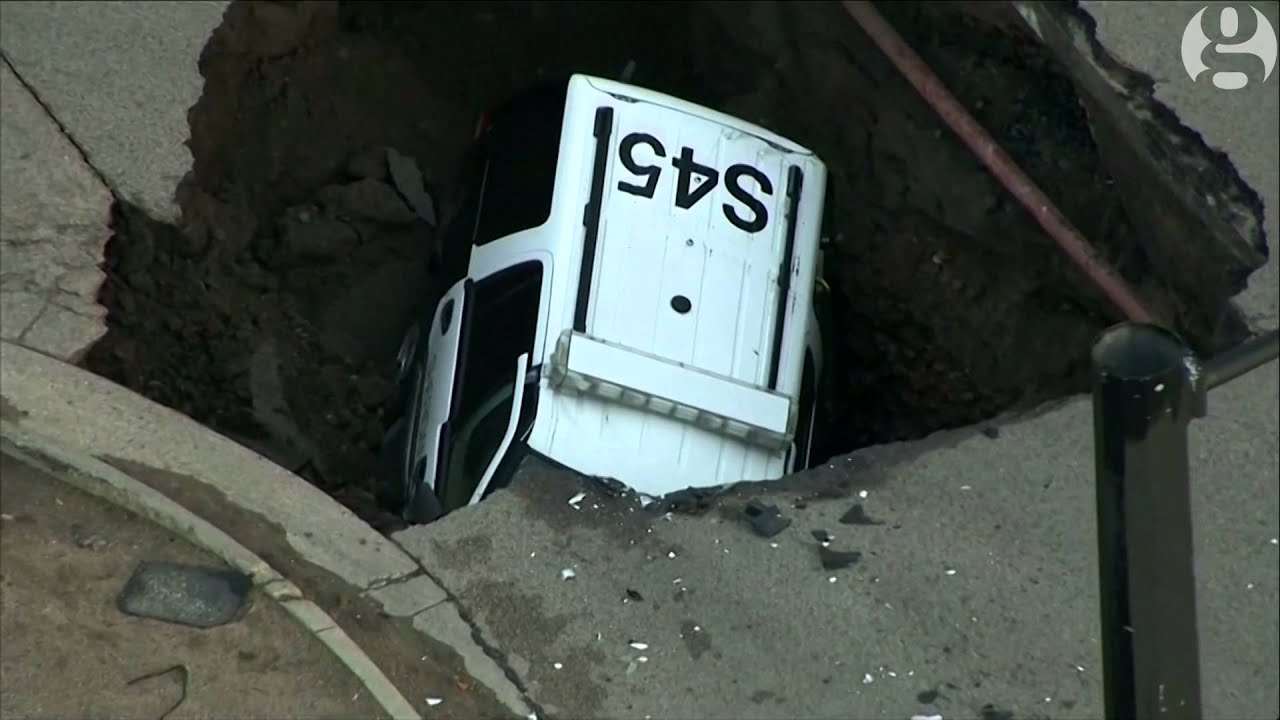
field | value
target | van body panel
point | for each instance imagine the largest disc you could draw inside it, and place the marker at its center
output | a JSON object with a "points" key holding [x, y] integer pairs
{"points": [[680, 243], [661, 236]]}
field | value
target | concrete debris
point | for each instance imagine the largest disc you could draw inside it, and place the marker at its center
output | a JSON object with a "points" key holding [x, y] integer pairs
{"points": [[857, 515], [837, 559], [765, 520], [408, 180], [368, 200]]}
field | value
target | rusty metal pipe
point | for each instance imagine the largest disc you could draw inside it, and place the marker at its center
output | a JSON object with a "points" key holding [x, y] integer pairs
{"points": [[997, 161]]}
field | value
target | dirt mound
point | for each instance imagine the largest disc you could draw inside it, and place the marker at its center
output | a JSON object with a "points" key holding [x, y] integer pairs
{"points": [[273, 312]]}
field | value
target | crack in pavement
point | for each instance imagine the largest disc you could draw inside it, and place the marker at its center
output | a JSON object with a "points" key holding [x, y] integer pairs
{"points": [[493, 651], [62, 128]]}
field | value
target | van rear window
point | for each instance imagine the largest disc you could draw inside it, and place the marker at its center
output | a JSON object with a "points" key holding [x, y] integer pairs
{"points": [[523, 147]]}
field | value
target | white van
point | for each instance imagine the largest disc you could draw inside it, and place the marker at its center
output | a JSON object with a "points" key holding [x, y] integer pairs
{"points": [[631, 282]]}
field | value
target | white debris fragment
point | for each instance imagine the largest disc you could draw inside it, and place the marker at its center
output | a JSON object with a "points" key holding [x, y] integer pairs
{"points": [[831, 579], [408, 180], [573, 501], [966, 488], [671, 553], [568, 574], [697, 628], [533, 554], [640, 645], [558, 666], [949, 571], [867, 679], [862, 494], [1159, 387], [1079, 668], [642, 659], [645, 500], [434, 701], [773, 545], [677, 581], [532, 716], [1275, 541], [926, 717]]}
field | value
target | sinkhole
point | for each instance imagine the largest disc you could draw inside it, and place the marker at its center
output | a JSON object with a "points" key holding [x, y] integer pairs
{"points": [[272, 310]]}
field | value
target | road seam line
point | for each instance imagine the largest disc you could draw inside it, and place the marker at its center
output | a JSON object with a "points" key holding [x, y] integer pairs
{"points": [[62, 129], [106, 482]]}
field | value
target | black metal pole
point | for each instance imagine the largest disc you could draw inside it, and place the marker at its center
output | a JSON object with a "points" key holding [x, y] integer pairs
{"points": [[1144, 395], [1231, 364]]}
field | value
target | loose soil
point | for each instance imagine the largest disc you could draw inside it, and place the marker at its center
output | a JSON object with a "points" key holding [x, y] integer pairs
{"points": [[272, 312]]}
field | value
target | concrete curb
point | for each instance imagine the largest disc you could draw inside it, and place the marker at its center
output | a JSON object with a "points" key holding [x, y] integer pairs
{"points": [[83, 412], [100, 479]]}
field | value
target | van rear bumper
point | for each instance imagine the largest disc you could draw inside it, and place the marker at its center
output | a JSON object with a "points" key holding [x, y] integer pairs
{"points": [[585, 365]]}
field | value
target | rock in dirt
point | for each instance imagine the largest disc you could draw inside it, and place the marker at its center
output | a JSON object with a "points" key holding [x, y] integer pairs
{"points": [[185, 594], [276, 28], [368, 164], [366, 200], [304, 239]]}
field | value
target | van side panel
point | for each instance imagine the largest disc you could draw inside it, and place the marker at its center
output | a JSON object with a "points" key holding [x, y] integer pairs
{"points": [[808, 228]]}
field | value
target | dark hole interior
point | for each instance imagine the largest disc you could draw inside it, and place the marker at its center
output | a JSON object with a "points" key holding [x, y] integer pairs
{"points": [[273, 312]]}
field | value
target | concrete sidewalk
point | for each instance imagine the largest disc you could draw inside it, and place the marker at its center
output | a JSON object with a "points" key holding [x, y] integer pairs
{"points": [[69, 652], [54, 214]]}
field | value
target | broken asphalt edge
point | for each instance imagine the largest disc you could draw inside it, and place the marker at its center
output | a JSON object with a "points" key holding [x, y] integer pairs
{"points": [[59, 411], [101, 480]]}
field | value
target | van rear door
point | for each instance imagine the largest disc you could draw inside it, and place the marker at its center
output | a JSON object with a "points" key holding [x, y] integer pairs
{"points": [[696, 227]]}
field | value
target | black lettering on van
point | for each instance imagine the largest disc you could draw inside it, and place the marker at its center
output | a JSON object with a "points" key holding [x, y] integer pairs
{"points": [[626, 153], [733, 183], [688, 195]]}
